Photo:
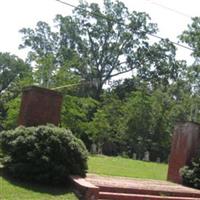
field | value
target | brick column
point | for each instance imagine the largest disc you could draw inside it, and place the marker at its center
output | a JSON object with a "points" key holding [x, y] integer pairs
{"points": [[185, 145], [40, 106]]}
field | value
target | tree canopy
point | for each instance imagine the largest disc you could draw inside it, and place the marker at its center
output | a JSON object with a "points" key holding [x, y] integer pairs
{"points": [[97, 44], [14, 74], [92, 46]]}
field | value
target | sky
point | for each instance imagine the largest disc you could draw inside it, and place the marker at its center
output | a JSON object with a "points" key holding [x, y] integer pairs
{"points": [[172, 17]]}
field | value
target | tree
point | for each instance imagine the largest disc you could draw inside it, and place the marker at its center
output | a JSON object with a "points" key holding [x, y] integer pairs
{"points": [[44, 45], [191, 37], [159, 66], [138, 126], [14, 74], [12, 69], [44, 54], [107, 123], [124, 89], [108, 41], [76, 113], [97, 44], [92, 46]]}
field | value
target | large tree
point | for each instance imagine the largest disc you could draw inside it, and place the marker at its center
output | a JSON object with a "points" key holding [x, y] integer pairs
{"points": [[43, 45], [97, 43], [103, 43], [12, 69], [46, 58], [191, 36], [14, 74], [107, 40]]}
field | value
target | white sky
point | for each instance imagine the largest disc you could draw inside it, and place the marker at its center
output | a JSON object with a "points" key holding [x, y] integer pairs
{"points": [[16, 14]]}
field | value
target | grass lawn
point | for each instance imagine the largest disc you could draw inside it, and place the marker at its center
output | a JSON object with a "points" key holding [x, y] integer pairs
{"points": [[15, 190], [102, 165], [117, 166]]}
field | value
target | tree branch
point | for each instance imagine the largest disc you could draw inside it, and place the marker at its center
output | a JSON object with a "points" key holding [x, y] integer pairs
{"points": [[121, 72], [92, 49]]}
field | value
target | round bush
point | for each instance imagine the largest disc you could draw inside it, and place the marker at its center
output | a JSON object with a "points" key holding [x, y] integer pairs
{"points": [[191, 174], [45, 154]]}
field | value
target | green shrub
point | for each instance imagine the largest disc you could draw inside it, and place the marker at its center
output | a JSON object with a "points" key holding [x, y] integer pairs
{"points": [[191, 174], [45, 154]]}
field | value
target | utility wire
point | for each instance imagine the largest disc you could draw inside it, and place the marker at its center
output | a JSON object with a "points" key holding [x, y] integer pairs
{"points": [[66, 86], [170, 9], [81, 82], [107, 18], [68, 4], [175, 43]]}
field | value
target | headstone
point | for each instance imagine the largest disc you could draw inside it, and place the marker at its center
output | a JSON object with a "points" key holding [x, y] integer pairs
{"points": [[40, 106], [146, 156], [134, 156], [99, 148], [109, 148], [158, 159], [185, 146], [93, 148]]}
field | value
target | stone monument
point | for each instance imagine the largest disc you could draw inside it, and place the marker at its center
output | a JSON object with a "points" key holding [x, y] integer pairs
{"points": [[185, 146], [39, 106]]}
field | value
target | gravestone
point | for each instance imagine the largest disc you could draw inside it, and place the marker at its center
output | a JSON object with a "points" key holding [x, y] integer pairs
{"points": [[109, 148], [99, 148], [134, 156], [93, 148], [146, 156], [185, 146], [158, 159], [39, 106]]}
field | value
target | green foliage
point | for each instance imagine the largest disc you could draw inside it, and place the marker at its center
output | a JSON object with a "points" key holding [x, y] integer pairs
{"points": [[109, 41], [44, 154], [76, 114], [86, 50], [96, 44], [141, 120], [191, 36], [108, 122], [191, 174], [139, 105], [43, 43], [14, 75], [12, 70], [13, 107]]}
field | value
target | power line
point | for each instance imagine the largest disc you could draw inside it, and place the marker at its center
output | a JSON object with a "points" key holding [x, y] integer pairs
{"points": [[170, 9], [105, 17], [68, 4], [175, 43], [66, 86]]}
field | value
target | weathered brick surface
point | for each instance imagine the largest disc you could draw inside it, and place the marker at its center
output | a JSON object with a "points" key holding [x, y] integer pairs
{"points": [[125, 196], [95, 187], [141, 187], [185, 145], [39, 106], [87, 190]]}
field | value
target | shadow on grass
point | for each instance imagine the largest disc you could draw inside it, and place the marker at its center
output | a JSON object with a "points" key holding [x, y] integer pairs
{"points": [[48, 189]]}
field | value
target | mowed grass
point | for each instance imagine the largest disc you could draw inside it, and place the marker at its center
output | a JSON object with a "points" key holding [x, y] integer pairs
{"points": [[117, 166], [102, 165], [15, 190]]}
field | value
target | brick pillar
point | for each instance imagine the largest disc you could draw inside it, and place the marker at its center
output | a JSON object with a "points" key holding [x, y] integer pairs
{"points": [[185, 145], [39, 106]]}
